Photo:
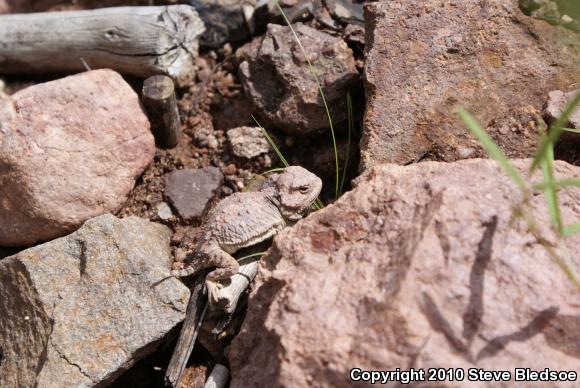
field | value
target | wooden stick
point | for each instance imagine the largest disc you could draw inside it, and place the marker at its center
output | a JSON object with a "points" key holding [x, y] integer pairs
{"points": [[161, 105], [196, 310], [140, 41], [218, 378], [227, 301]]}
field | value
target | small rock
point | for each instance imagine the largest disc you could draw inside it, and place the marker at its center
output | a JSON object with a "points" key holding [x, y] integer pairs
{"points": [[81, 142], [346, 11], [230, 169], [224, 20], [248, 142], [204, 135], [164, 211], [557, 101], [295, 10], [355, 34], [326, 21], [277, 79], [191, 191], [418, 266], [78, 311]]}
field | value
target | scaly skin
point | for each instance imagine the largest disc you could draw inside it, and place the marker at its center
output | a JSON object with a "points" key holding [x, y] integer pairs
{"points": [[245, 219]]}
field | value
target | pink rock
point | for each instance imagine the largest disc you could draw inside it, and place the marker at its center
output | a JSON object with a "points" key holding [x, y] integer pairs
{"points": [[557, 102], [70, 150], [417, 267]]}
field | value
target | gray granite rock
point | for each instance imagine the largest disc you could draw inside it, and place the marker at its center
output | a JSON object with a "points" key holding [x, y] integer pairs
{"points": [[248, 142], [79, 310]]}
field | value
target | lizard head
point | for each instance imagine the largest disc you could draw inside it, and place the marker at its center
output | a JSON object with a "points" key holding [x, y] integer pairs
{"points": [[296, 189]]}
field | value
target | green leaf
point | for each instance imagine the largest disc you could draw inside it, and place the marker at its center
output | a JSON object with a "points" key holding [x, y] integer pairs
{"points": [[571, 229], [554, 132], [492, 149], [574, 130]]}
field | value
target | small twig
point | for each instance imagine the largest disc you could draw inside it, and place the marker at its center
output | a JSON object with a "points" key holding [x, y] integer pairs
{"points": [[194, 317]]}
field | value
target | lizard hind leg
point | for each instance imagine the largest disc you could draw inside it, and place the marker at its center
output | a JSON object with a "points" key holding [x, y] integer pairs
{"points": [[226, 267]]}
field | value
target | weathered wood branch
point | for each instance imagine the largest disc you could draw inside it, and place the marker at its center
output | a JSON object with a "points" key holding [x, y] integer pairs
{"points": [[161, 105], [228, 298], [196, 310], [140, 41]]}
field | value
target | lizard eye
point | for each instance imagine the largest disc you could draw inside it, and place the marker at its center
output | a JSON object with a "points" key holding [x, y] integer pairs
{"points": [[304, 189]]}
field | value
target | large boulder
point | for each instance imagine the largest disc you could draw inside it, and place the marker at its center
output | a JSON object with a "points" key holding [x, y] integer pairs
{"points": [[424, 58], [70, 150], [417, 267], [80, 310], [278, 81]]}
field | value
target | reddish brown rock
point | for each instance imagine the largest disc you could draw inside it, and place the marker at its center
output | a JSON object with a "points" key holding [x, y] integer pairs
{"points": [[69, 150], [417, 267], [424, 58], [277, 79], [191, 191]]}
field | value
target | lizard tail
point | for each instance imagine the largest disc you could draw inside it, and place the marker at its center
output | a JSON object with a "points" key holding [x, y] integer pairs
{"points": [[182, 273]]}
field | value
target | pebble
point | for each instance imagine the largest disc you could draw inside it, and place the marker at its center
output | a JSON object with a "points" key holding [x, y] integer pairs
{"points": [[190, 191], [164, 211]]}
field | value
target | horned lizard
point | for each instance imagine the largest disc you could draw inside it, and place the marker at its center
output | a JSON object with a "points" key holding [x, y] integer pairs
{"points": [[248, 218]]}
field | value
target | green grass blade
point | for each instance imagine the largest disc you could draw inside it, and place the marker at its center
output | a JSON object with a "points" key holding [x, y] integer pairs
{"points": [[571, 229], [572, 182], [272, 144], [492, 149], [313, 72], [554, 132], [278, 169], [248, 257], [347, 156], [549, 191], [573, 130], [318, 204], [567, 264]]}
